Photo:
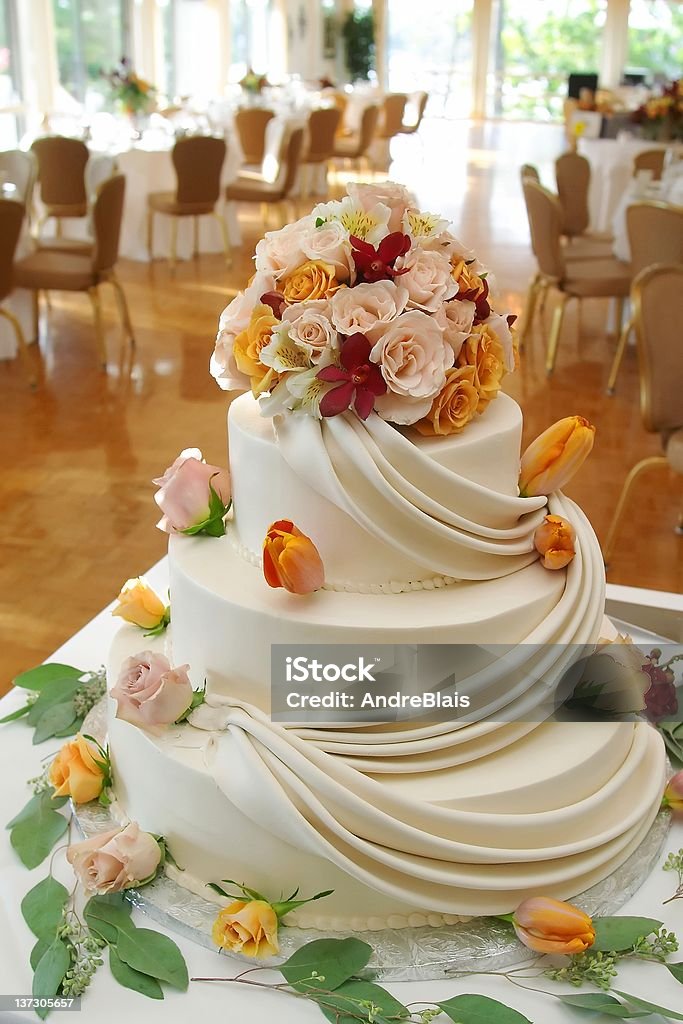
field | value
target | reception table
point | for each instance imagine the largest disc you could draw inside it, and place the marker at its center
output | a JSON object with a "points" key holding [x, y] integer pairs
{"points": [[611, 163], [107, 1003]]}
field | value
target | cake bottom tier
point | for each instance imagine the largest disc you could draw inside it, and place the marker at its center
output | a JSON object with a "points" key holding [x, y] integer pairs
{"points": [[552, 812]]}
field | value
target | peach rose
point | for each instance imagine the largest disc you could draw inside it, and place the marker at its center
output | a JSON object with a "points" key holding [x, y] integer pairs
{"points": [[359, 309], [115, 860], [446, 242], [235, 319], [454, 406], [291, 559], [329, 243], [390, 194], [427, 279], [313, 279], [77, 771], [309, 326], [413, 358], [184, 494], [470, 284], [247, 348], [484, 352], [149, 693], [139, 605], [455, 318], [554, 541], [280, 252], [551, 926], [249, 928]]}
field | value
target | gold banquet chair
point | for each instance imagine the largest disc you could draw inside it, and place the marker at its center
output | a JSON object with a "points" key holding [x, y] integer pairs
{"points": [[415, 106], [573, 177], [573, 279], [11, 221], [355, 147], [251, 124], [323, 126], [52, 270], [655, 235], [61, 177], [250, 187], [650, 160], [391, 116], [198, 164], [657, 297]]}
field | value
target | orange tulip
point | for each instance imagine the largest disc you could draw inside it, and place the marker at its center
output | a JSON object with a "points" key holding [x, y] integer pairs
{"points": [[554, 541], [291, 559], [673, 794], [551, 926], [554, 457]]}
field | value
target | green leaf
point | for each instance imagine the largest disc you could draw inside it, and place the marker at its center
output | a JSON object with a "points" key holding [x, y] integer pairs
{"points": [[13, 715], [344, 1005], [42, 907], [643, 1004], [474, 1009], [44, 675], [70, 730], [50, 972], [61, 692], [130, 978], [677, 970], [620, 933], [58, 718], [34, 835], [41, 947], [154, 954], [108, 916], [600, 1002], [334, 960], [31, 807]]}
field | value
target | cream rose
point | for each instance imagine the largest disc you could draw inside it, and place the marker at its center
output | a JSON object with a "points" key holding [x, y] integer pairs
{"points": [[115, 860], [427, 278], [413, 358], [455, 319], [280, 252], [149, 693], [361, 308], [392, 195], [329, 243], [309, 326], [500, 327]]}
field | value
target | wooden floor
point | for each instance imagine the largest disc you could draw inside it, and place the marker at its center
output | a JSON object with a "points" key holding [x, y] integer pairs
{"points": [[78, 455]]}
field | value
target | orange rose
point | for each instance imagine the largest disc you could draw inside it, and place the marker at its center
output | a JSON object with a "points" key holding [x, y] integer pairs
{"points": [[249, 928], [554, 541], [139, 605], [551, 926], [673, 794], [247, 348], [454, 406], [470, 285], [484, 352], [291, 559], [552, 459], [312, 280], [75, 771]]}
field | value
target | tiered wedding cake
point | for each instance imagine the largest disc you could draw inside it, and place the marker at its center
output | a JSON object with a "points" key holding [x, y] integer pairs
{"points": [[374, 474]]}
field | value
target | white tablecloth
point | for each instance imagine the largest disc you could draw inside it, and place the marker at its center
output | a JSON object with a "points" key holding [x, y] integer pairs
{"points": [[107, 1003], [611, 163], [636, 192]]}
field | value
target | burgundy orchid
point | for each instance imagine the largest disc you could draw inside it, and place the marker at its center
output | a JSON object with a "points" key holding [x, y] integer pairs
{"points": [[661, 699], [358, 380], [377, 264], [276, 301]]}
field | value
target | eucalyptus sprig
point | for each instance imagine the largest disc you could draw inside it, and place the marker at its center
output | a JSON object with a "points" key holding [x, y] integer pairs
{"points": [[674, 862], [58, 697]]}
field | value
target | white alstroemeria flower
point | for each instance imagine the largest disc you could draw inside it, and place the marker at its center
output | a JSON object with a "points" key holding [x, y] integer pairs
{"points": [[283, 354], [306, 391], [421, 226], [370, 225]]}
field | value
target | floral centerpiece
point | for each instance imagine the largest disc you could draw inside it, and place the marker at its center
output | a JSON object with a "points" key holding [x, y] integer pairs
{"points": [[372, 305], [252, 83], [134, 94], [661, 117]]}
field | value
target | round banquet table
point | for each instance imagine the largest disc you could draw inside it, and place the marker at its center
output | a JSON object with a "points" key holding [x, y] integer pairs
{"points": [[611, 163], [105, 1002], [670, 192]]}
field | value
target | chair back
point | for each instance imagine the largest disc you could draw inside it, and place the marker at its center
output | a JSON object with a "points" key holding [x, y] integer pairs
{"points": [[198, 163], [545, 224], [655, 234], [322, 127], [292, 147], [61, 170], [19, 169], [251, 124], [419, 101], [657, 297], [650, 160], [529, 171], [573, 176], [106, 217], [393, 110], [11, 219], [368, 128]]}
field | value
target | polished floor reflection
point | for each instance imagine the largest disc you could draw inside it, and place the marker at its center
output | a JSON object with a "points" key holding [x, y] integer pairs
{"points": [[78, 455]]}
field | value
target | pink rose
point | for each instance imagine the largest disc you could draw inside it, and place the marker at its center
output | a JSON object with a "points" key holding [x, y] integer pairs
{"points": [[149, 693], [359, 309], [455, 319], [115, 860], [309, 326], [413, 358], [280, 252], [184, 493], [396, 197], [329, 243], [235, 319], [428, 279]]}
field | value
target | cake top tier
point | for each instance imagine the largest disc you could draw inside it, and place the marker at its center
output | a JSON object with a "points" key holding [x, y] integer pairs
{"points": [[367, 304]]}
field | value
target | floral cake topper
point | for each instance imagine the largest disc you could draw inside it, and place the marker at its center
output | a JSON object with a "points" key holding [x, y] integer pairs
{"points": [[367, 304]]}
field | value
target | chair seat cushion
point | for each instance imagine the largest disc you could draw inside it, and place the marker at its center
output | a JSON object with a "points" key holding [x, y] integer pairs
{"points": [[587, 247], [82, 246], [346, 146], [165, 202], [674, 451], [66, 210], [61, 271], [252, 188], [600, 278]]}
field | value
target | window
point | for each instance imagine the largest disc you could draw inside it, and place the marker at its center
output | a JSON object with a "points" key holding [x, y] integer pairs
{"points": [[655, 39], [92, 36], [535, 45], [239, 39], [167, 82], [434, 53], [10, 98]]}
